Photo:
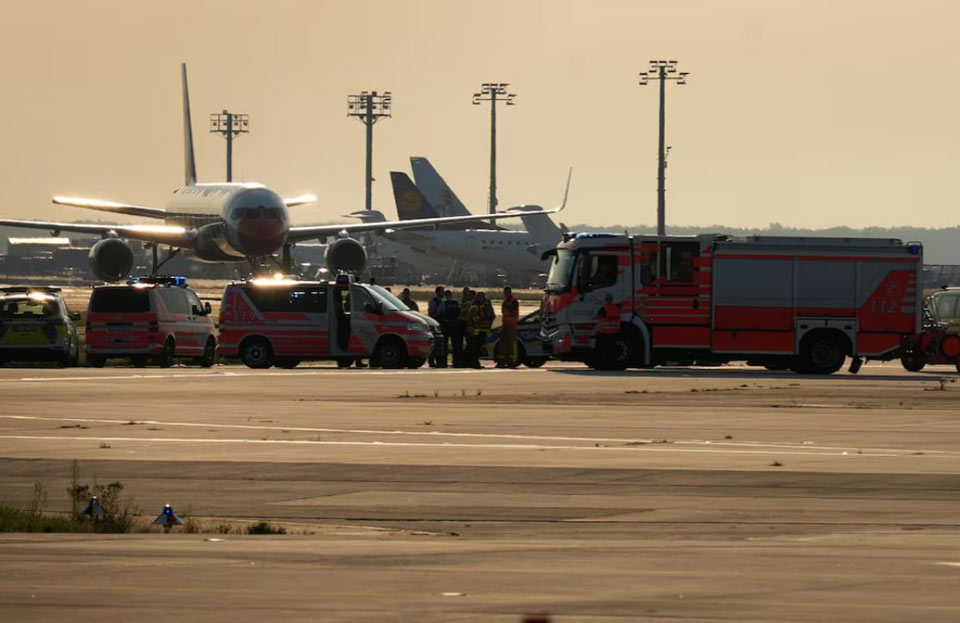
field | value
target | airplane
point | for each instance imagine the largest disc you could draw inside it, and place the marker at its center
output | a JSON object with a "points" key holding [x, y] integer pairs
{"points": [[220, 222], [439, 195], [517, 253]]}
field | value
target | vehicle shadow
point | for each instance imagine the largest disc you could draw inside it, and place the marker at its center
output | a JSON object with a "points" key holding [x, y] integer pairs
{"points": [[925, 376]]}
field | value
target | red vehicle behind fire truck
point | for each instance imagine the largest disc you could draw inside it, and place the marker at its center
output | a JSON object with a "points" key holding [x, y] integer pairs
{"points": [[784, 302]]}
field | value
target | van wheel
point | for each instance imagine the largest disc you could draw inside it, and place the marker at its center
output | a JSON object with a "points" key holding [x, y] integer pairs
{"points": [[287, 363], [256, 353], [821, 354], [96, 361], [138, 361], [391, 353], [912, 363], [165, 360], [209, 357]]}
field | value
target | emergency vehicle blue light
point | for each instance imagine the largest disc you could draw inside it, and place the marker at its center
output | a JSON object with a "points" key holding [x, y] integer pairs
{"points": [[594, 235], [914, 250], [177, 282]]}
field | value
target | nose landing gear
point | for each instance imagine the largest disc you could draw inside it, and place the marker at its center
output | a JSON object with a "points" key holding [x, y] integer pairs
{"points": [[172, 253]]}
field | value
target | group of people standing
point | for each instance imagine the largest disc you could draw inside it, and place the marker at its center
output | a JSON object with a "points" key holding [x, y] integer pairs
{"points": [[466, 323]]}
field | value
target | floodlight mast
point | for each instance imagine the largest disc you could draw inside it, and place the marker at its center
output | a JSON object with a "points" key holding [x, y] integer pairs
{"points": [[491, 92], [228, 124], [662, 71], [369, 107]]}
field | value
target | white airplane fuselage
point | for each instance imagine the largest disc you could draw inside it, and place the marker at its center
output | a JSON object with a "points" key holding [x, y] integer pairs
{"points": [[234, 221], [512, 251]]}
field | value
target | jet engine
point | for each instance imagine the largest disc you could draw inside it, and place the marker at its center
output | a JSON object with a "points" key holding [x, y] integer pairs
{"points": [[111, 259], [346, 255]]}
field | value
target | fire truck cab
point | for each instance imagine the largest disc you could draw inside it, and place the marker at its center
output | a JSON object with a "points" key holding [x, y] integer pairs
{"points": [[783, 302], [282, 322]]}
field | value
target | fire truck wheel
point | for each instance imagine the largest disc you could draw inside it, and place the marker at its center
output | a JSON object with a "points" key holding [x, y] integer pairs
{"points": [[166, 356], [821, 354], [96, 361], [911, 363], [391, 353], [255, 352], [209, 357], [617, 354]]}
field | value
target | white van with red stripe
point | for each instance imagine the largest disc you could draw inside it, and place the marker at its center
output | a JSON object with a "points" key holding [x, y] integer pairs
{"points": [[155, 319], [281, 322]]}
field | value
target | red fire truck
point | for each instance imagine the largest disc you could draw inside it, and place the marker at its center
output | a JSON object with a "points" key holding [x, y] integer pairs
{"points": [[803, 304]]}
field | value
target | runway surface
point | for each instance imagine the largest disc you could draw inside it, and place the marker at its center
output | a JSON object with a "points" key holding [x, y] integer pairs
{"points": [[436, 495]]}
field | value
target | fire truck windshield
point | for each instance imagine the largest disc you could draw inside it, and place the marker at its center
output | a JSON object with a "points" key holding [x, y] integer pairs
{"points": [[948, 307], [561, 270]]}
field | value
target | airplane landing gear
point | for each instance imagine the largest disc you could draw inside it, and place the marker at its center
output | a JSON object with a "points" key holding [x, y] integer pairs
{"points": [[157, 264]]}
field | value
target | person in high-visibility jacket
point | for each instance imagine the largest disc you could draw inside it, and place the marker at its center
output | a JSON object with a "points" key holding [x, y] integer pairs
{"points": [[510, 317], [608, 327], [479, 320]]}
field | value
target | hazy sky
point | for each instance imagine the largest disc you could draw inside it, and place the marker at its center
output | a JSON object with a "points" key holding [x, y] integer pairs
{"points": [[806, 113]]}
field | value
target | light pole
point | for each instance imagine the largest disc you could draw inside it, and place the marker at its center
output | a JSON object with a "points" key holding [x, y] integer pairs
{"points": [[491, 92], [369, 107], [228, 125], [662, 71]]}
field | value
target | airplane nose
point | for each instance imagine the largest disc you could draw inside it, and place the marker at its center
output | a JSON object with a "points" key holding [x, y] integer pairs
{"points": [[261, 236]]}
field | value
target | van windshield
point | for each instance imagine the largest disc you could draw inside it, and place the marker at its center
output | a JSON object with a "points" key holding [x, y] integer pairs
{"points": [[390, 302], [120, 300], [561, 269]]}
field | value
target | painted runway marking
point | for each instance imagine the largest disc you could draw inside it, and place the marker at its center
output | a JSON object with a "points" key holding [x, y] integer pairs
{"points": [[408, 444], [842, 450]]}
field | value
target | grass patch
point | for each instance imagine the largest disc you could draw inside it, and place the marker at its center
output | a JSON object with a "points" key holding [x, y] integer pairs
{"points": [[263, 527], [18, 520]]}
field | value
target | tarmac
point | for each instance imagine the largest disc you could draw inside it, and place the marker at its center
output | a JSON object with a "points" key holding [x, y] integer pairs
{"points": [[681, 494]]}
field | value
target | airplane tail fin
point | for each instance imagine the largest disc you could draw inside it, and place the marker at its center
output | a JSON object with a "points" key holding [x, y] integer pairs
{"points": [[410, 201], [189, 164], [540, 226], [444, 201]]}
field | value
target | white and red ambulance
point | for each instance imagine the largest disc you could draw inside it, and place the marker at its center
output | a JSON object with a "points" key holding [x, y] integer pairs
{"points": [[149, 319], [282, 322]]}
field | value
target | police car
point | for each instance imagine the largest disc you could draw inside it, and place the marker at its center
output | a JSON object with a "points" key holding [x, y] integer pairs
{"points": [[529, 347], [149, 319], [36, 325]]}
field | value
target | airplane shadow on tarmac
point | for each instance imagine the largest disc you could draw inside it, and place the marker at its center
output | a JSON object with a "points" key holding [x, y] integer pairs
{"points": [[734, 373]]}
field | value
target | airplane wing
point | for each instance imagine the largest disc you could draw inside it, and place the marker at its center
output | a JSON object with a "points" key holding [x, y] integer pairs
{"points": [[162, 234], [111, 206], [324, 231], [291, 202]]}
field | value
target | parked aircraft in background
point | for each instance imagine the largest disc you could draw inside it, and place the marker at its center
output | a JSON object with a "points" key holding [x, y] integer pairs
{"points": [[516, 253], [219, 222]]}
